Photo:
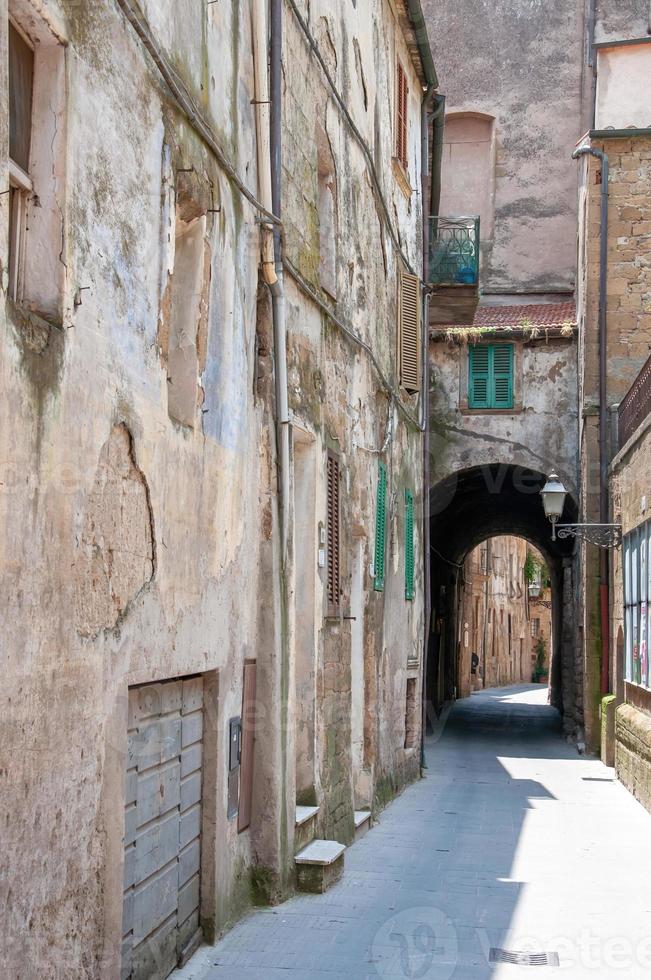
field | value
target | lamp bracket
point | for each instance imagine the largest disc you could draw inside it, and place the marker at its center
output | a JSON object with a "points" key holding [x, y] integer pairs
{"points": [[601, 535]]}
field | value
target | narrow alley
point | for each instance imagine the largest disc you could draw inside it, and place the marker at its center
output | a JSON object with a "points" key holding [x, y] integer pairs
{"points": [[511, 842]]}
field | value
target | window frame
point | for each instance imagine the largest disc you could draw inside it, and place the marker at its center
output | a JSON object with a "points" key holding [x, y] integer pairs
{"points": [[490, 403], [636, 569], [410, 563], [379, 555], [401, 149], [333, 535], [20, 187]]}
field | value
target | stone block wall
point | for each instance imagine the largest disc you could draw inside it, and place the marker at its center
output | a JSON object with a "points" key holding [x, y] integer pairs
{"points": [[628, 311]]}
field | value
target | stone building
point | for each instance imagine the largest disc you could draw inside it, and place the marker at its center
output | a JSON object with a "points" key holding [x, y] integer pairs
{"points": [[619, 321], [212, 558], [500, 622], [626, 714], [587, 71]]}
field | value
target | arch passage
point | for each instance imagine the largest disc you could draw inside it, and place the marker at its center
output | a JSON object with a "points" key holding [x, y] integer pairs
{"points": [[465, 509]]}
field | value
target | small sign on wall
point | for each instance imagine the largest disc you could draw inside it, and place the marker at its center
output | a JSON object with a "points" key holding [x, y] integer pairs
{"points": [[234, 754]]}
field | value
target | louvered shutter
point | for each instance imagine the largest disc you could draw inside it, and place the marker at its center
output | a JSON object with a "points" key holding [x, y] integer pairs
{"points": [[248, 740], [402, 91], [380, 528], [502, 394], [333, 572], [478, 381], [409, 545], [409, 331]]}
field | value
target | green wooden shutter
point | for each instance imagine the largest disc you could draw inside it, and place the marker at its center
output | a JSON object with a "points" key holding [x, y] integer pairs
{"points": [[409, 545], [502, 376], [479, 379], [490, 381], [380, 528]]}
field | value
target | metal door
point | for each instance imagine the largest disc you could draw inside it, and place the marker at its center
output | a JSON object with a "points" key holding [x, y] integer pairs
{"points": [[162, 821]]}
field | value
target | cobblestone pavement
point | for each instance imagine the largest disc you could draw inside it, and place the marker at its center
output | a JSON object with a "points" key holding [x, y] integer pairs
{"points": [[513, 841]]}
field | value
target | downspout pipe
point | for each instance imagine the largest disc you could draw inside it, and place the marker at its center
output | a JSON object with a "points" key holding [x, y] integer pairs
{"points": [[432, 108], [277, 287], [603, 409]]}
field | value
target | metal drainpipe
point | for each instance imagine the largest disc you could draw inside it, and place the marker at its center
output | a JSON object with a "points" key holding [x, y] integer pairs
{"points": [[603, 411], [277, 288], [428, 113]]}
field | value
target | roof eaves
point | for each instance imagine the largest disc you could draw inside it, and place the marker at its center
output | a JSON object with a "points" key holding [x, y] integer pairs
{"points": [[421, 47]]}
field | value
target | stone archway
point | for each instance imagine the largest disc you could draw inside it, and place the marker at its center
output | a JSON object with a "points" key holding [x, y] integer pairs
{"points": [[466, 508]]}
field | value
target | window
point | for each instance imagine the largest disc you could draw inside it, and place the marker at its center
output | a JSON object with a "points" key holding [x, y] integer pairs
{"points": [[409, 331], [37, 143], [402, 91], [332, 535], [535, 628], [490, 380], [409, 545], [21, 83], [636, 592], [380, 528]]}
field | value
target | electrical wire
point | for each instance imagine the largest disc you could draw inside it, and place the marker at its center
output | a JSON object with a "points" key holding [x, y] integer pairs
{"points": [[352, 336], [353, 127], [178, 89]]}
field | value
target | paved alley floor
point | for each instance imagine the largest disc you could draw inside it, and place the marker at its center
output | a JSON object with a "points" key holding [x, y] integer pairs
{"points": [[512, 842]]}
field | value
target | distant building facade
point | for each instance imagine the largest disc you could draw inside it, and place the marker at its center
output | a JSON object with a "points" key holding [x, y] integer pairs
{"points": [[505, 616]]}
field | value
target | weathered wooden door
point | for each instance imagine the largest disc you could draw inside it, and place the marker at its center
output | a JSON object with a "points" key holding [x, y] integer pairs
{"points": [[162, 821]]}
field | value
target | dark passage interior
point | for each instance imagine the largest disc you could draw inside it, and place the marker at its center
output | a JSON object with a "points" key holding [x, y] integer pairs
{"points": [[466, 509]]}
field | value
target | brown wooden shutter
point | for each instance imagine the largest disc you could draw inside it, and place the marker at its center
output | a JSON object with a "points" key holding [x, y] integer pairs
{"points": [[409, 331], [402, 90], [249, 713], [333, 569]]}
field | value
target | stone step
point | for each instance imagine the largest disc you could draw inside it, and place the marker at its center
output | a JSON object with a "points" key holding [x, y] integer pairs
{"points": [[305, 813], [319, 865], [362, 822], [305, 829]]}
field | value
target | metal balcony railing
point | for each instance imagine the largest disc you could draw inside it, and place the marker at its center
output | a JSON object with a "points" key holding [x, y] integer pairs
{"points": [[635, 405], [454, 251]]}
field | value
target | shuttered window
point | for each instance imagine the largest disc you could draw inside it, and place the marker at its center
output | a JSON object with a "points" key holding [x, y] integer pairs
{"points": [[402, 92], [21, 76], [490, 382], [248, 740], [333, 563], [409, 545], [380, 528], [409, 331]]}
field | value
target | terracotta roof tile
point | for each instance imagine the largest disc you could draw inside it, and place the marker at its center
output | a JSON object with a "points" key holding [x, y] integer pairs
{"points": [[539, 315]]}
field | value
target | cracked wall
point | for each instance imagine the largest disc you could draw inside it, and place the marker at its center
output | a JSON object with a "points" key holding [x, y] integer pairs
{"points": [[521, 64], [116, 551]]}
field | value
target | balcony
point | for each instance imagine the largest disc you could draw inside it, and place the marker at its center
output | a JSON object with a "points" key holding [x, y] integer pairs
{"points": [[635, 405], [454, 269]]}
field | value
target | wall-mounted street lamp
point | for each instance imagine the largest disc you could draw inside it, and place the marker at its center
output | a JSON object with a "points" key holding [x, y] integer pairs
{"points": [[553, 497]]}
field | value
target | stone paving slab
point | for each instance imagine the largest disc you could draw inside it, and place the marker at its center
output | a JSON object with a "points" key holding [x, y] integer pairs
{"points": [[512, 840]]}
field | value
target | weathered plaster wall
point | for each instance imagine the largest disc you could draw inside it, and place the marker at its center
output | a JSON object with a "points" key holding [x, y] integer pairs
{"points": [[616, 20], [622, 76], [521, 64], [134, 548], [124, 545], [539, 434], [336, 394]]}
